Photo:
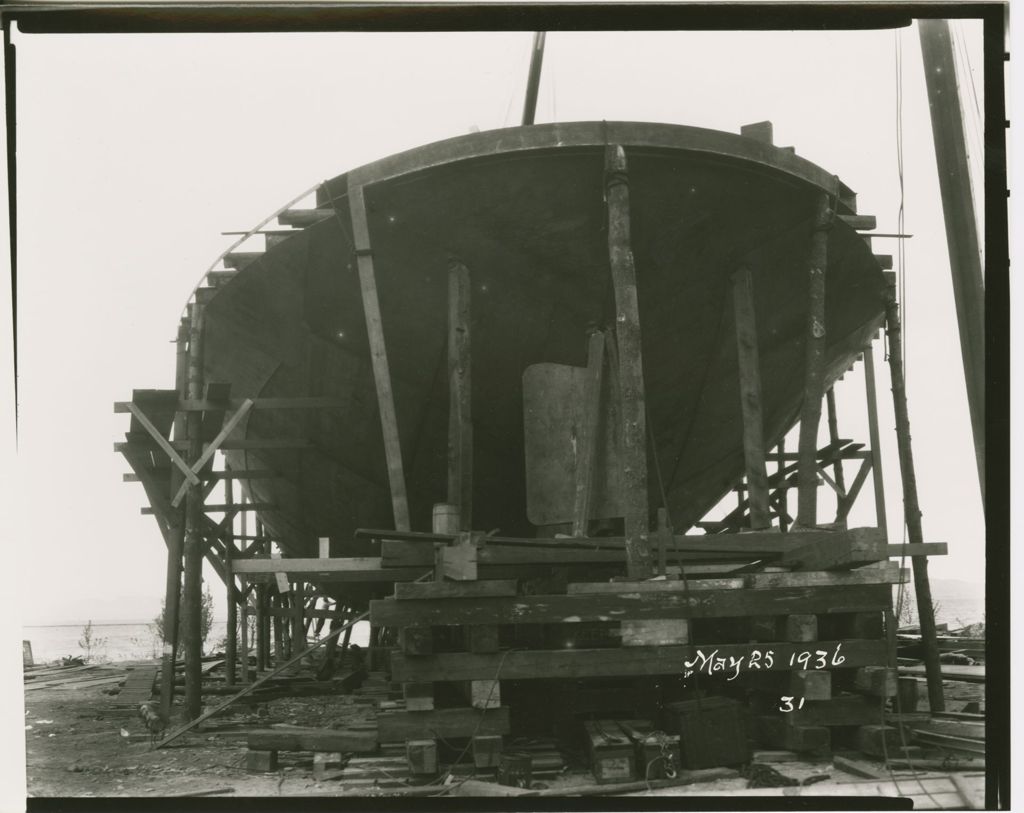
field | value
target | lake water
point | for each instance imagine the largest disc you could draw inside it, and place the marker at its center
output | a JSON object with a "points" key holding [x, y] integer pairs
{"points": [[123, 641]]}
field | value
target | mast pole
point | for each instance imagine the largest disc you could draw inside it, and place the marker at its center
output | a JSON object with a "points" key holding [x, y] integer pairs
{"points": [[533, 80], [961, 225]]}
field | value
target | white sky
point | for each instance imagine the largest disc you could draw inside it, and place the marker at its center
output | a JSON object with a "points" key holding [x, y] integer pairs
{"points": [[136, 151]]}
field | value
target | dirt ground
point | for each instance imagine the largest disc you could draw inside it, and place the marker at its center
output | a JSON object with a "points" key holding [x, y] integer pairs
{"points": [[79, 745]]}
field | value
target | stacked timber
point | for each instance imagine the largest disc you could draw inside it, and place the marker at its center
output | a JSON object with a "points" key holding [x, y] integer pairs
{"points": [[802, 644]]}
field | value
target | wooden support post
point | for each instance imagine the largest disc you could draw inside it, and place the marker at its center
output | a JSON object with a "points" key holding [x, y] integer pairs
{"points": [[243, 633], [750, 398], [783, 491], [298, 636], [587, 440], [814, 370], [231, 643], [630, 362], [911, 508], [175, 545], [261, 627], [192, 596], [837, 466], [379, 356], [873, 435], [277, 602], [460, 395]]}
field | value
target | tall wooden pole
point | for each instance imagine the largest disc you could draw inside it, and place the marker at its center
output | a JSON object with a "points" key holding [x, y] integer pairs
{"points": [[873, 434], [750, 398], [630, 361], [231, 647], [460, 395], [912, 510], [175, 543], [961, 223], [814, 369], [533, 80], [192, 594]]}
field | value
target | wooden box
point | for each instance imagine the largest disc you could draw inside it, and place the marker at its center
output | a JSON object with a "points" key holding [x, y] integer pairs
{"points": [[711, 732], [612, 756]]}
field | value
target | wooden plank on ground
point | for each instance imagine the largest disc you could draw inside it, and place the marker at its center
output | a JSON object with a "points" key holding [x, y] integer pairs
{"points": [[629, 605], [615, 662]]}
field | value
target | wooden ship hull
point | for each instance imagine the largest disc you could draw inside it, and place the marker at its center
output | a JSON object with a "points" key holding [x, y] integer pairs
{"points": [[523, 210]]}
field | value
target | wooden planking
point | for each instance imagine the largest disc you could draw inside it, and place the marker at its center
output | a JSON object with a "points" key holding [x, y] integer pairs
{"points": [[750, 397], [630, 605], [889, 573], [611, 662], [469, 589], [400, 726]]}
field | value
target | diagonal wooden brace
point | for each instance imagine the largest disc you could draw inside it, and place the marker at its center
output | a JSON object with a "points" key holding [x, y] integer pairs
{"points": [[163, 443], [211, 449]]}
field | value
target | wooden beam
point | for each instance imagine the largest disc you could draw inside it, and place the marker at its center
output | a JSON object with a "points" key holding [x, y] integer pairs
{"points": [[214, 445], [837, 465], [308, 566], [840, 550], [630, 365], [889, 573], [814, 366], [460, 394], [587, 440], [630, 605], [378, 355], [636, 661], [750, 397], [465, 589], [163, 443], [455, 722], [919, 549]]}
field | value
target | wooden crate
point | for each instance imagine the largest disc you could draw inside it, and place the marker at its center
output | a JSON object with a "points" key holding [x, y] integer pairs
{"points": [[612, 755], [711, 732]]}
